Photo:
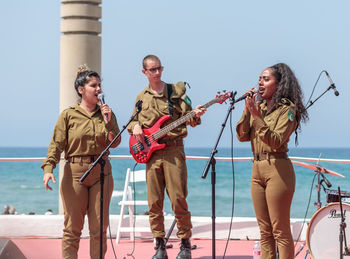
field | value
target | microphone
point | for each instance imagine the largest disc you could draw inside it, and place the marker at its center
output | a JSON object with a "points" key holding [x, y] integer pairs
{"points": [[246, 95], [138, 105], [328, 183], [101, 98], [332, 84]]}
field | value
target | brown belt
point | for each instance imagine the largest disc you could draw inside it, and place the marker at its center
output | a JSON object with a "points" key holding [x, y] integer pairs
{"points": [[82, 159], [174, 142], [268, 156]]}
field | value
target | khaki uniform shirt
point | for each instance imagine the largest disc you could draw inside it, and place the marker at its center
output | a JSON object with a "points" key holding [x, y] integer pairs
{"points": [[269, 133], [156, 105], [78, 134]]}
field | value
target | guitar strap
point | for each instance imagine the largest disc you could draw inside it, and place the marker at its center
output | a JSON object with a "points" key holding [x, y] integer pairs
{"points": [[170, 103]]}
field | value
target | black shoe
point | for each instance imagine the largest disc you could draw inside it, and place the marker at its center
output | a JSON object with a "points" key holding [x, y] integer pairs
{"points": [[160, 247], [185, 249]]}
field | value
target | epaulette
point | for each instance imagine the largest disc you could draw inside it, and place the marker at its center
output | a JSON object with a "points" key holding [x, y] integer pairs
{"points": [[286, 101]]}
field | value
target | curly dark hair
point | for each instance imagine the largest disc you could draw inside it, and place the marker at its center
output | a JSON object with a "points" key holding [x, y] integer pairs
{"points": [[84, 75], [289, 88]]}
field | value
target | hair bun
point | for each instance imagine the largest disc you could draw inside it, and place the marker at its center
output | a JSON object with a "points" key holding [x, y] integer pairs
{"points": [[82, 68]]}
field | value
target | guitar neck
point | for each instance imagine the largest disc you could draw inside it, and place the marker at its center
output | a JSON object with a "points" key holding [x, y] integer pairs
{"points": [[163, 131]]}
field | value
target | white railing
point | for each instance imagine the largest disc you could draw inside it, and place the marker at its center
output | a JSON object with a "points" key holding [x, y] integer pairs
{"points": [[311, 159]]}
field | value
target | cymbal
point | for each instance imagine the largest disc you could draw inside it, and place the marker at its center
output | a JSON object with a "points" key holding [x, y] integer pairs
{"points": [[317, 168]]}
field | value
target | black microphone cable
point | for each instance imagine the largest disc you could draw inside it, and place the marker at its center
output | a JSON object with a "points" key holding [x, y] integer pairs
{"points": [[131, 254], [109, 225], [313, 89], [304, 220], [233, 188], [108, 202]]}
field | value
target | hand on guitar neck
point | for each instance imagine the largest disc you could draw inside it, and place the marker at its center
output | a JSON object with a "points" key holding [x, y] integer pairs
{"points": [[199, 110]]}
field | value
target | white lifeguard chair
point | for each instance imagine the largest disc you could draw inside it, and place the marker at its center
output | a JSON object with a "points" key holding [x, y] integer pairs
{"points": [[127, 200]]}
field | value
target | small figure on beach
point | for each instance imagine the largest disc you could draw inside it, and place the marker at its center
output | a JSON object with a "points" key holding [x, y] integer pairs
{"points": [[13, 210], [268, 120], [6, 210], [49, 212]]}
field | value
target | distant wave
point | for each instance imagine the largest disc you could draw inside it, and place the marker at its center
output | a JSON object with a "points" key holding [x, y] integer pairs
{"points": [[117, 193], [31, 187]]}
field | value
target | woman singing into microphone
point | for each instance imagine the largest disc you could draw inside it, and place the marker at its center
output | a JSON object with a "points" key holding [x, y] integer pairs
{"points": [[268, 125], [82, 132]]}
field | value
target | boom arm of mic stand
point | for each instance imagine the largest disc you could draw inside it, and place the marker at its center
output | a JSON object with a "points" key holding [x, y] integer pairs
{"points": [[312, 102], [107, 148]]}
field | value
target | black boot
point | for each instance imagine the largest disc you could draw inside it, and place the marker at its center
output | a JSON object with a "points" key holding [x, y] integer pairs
{"points": [[185, 249], [160, 247]]}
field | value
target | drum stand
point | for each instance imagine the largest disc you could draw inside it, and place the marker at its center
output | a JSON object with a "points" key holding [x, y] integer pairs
{"points": [[342, 235]]}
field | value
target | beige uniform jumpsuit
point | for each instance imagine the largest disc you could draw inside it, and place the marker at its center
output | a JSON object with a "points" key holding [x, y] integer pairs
{"points": [[82, 138], [166, 169], [273, 178]]}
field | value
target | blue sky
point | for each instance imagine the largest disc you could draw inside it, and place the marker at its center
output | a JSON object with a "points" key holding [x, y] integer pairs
{"points": [[213, 45]]}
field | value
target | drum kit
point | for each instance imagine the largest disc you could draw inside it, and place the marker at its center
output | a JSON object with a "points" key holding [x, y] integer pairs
{"points": [[326, 235]]}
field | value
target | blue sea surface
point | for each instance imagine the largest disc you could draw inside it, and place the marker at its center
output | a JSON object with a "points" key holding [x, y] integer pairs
{"points": [[21, 182]]}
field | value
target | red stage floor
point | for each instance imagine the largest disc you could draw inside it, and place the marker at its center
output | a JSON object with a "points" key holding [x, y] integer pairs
{"points": [[43, 248]]}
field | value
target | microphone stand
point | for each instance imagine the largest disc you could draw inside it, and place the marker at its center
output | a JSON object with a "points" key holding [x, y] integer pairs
{"points": [[342, 226], [102, 163], [211, 163]]}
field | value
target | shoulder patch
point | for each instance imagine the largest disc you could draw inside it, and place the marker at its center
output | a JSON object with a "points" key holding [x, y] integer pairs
{"points": [[186, 99], [291, 114]]}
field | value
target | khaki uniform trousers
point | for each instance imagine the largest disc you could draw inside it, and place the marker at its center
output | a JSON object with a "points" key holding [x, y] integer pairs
{"points": [[80, 199], [272, 188], [167, 170]]}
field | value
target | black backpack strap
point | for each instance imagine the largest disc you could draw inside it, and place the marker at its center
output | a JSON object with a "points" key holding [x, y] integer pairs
{"points": [[170, 104]]}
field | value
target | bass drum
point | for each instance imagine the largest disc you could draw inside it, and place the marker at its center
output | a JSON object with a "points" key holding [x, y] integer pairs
{"points": [[322, 237]]}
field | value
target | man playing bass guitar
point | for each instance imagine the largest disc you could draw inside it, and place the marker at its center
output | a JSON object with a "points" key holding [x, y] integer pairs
{"points": [[166, 168]]}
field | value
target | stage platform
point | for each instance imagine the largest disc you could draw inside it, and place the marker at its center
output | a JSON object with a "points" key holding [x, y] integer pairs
{"points": [[42, 248]]}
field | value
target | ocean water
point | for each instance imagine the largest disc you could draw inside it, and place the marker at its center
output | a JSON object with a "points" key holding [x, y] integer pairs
{"points": [[21, 182]]}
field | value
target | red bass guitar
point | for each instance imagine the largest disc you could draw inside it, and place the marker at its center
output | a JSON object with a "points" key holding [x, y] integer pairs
{"points": [[142, 151]]}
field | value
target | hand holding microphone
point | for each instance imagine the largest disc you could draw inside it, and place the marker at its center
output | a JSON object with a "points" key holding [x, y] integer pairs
{"points": [[251, 102], [105, 110]]}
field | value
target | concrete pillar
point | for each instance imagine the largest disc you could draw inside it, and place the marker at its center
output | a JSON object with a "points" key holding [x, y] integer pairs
{"points": [[80, 44]]}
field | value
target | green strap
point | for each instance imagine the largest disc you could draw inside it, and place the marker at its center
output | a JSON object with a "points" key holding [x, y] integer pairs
{"points": [[170, 104]]}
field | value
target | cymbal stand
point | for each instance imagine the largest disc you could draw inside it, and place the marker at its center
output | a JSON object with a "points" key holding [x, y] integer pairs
{"points": [[318, 204], [342, 235]]}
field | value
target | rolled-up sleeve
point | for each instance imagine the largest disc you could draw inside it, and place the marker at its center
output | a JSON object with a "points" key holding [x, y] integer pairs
{"points": [[57, 145], [243, 127]]}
